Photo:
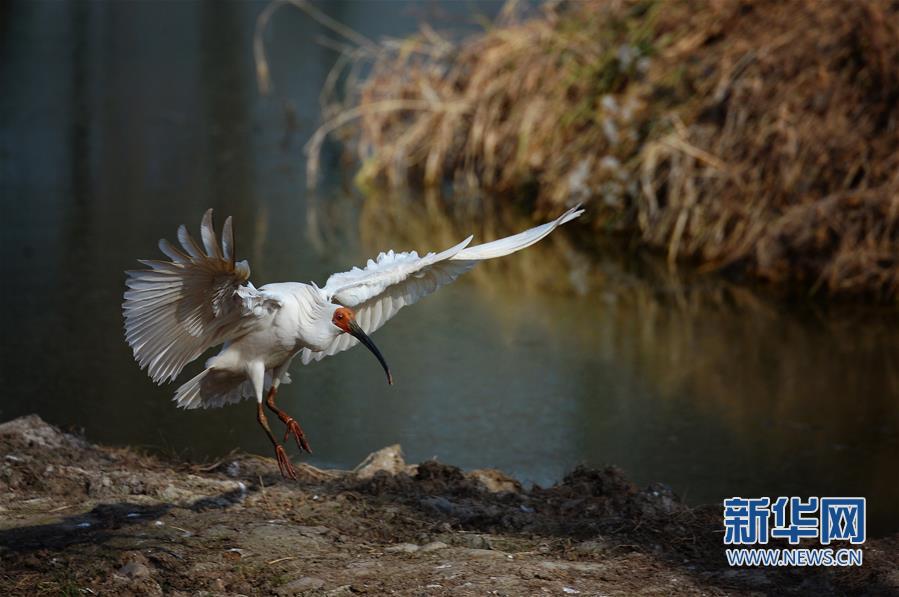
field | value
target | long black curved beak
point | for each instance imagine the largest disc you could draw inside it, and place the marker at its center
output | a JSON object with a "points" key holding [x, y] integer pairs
{"points": [[357, 333]]}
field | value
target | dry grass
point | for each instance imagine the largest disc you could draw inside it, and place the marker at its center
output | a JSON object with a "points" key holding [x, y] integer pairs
{"points": [[761, 137]]}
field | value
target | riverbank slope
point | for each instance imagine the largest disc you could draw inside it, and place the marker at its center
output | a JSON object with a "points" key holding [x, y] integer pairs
{"points": [[77, 518]]}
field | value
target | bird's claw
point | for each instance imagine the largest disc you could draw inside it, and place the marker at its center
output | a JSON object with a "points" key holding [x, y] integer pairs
{"points": [[294, 429], [284, 464]]}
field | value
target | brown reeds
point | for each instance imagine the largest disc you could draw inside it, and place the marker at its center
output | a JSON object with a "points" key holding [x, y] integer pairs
{"points": [[761, 137]]}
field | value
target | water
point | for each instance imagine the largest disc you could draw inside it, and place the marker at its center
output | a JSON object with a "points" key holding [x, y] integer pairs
{"points": [[120, 121]]}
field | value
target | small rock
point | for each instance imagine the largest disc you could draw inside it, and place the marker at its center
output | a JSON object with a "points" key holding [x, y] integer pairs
{"points": [[589, 547], [300, 585], [433, 546], [134, 570], [472, 540], [495, 481], [342, 591], [403, 548], [486, 553], [170, 493], [389, 460], [218, 585]]}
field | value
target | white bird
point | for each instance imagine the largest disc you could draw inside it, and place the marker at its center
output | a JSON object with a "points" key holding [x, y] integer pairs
{"points": [[176, 310]]}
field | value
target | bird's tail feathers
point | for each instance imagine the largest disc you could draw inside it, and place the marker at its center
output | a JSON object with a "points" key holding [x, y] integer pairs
{"points": [[213, 388]]}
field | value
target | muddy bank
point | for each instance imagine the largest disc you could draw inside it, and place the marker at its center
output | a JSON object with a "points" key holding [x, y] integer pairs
{"points": [[76, 518]]}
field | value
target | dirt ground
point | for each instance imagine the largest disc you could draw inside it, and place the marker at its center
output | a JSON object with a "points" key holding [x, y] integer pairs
{"points": [[80, 519]]}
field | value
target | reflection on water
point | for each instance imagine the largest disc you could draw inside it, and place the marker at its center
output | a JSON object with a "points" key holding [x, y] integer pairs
{"points": [[120, 121], [708, 385]]}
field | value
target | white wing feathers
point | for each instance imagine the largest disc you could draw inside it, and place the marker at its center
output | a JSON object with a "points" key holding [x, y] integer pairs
{"points": [[356, 286], [395, 280], [177, 309], [517, 242]]}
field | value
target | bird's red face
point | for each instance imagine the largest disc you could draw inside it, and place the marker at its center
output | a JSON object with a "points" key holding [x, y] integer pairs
{"points": [[345, 320], [342, 318]]}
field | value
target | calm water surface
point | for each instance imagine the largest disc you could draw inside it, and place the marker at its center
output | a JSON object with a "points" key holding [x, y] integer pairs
{"points": [[120, 121]]}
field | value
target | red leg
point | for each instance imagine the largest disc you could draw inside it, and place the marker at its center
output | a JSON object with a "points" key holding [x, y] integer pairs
{"points": [[293, 428], [284, 465]]}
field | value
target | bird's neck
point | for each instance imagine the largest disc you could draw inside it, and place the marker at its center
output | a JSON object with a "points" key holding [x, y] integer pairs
{"points": [[313, 327]]}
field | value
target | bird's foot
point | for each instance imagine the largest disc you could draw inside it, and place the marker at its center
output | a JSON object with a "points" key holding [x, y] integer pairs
{"points": [[287, 470], [294, 429]]}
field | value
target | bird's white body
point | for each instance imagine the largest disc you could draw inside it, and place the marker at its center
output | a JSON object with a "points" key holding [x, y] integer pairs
{"points": [[301, 321], [200, 298], [277, 336]]}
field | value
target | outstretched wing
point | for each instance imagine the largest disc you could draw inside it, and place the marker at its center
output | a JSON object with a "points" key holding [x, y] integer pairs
{"points": [[395, 280], [177, 309]]}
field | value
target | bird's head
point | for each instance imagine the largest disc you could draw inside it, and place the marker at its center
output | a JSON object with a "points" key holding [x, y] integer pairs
{"points": [[344, 319]]}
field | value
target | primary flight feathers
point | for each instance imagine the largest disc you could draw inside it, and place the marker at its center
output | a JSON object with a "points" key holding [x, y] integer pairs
{"points": [[178, 309]]}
